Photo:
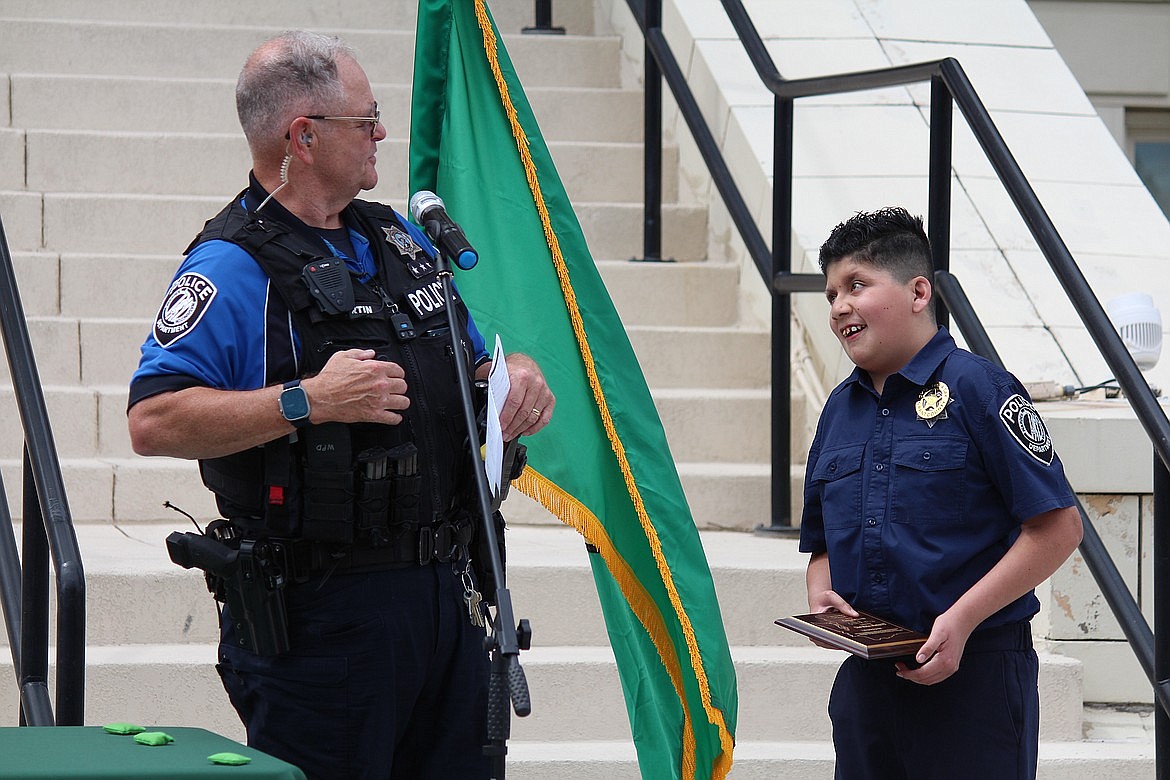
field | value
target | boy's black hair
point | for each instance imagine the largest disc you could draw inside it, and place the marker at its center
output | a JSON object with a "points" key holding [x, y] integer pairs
{"points": [[889, 238]]}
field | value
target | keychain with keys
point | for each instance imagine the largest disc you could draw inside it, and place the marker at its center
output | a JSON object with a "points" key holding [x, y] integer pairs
{"points": [[472, 598]]}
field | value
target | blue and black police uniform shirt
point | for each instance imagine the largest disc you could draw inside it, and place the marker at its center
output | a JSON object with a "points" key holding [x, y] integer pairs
{"points": [[221, 315], [917, 494]]}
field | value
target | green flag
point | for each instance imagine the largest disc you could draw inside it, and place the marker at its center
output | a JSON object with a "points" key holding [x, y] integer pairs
{"points": [[602, 465]]}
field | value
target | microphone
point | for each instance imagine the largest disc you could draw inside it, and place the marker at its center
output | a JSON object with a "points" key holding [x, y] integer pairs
{"points": [[428, 210]]}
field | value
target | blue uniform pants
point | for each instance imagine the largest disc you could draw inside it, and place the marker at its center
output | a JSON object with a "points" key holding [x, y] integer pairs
{"points": [[386, 678], [980, 723]]}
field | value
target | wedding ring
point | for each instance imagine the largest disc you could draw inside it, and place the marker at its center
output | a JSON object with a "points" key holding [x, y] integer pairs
{"points": [[537, 412]]}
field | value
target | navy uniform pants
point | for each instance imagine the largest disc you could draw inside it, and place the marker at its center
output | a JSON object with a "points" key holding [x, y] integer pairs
{"points": [[980, 723], [386, 678]]}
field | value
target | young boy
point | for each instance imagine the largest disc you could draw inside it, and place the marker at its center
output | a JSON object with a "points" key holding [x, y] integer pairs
{"points": [[933, 498]]}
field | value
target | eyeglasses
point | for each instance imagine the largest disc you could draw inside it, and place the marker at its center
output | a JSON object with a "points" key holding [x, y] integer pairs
{"points": [[374, 120]]}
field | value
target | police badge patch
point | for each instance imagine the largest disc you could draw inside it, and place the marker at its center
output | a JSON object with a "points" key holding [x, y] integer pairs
{"points": [[409, 251], [397, 237], [184, 305], [931, 405], [1024, 424]]}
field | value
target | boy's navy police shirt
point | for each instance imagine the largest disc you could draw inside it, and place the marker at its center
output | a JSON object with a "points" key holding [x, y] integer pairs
{"points": [[229, 314], [915, 503]]}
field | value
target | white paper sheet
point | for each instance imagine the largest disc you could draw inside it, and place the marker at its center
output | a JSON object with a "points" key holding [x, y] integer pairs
{"points": [[498, 387]]}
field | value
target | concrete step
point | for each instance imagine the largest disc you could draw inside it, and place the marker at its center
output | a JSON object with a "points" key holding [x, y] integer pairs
{"points": [[84, 351], [708, 424], [767, 760], [11, 159], [673, 295], [125, 490], [718, 356], [549, 575], [73, 414], [722, 496], [662, 297], [510, 15], [79, 223], [717, 425], [193, 105], [24, 223], [217, 51], [575, 692], [137, 163], [107, 318], [737, 496], [103, 351]]}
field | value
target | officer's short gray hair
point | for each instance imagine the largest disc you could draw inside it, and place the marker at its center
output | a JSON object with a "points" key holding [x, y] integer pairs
{"points": [[288, 76]]}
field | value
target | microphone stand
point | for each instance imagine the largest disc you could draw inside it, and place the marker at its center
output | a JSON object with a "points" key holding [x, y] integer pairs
{"points": [[504, 641]]}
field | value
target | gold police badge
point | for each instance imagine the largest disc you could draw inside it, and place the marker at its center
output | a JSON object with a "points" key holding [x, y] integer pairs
{"points": [[931, 405]]}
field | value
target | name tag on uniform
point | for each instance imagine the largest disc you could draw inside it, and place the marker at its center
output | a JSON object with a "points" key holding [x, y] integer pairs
{"points": [[427, 301]]}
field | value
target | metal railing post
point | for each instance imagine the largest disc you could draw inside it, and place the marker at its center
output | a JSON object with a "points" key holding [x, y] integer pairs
{"points": [[1161, 598], [939, 197], [35, 706], [10, 573], [47, 532], [652, 119], [543, 25], [781, 516]]}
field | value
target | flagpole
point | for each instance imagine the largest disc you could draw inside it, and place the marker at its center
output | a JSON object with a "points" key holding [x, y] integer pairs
{"points": [[507, 683]]}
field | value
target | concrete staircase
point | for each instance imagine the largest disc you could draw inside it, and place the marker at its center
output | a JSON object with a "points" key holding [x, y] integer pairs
{"points": [[97, 210], [121, 140]]}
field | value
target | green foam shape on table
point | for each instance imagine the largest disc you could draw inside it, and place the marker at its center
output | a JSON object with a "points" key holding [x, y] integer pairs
{"points": [[231, 759], [153, 738]]}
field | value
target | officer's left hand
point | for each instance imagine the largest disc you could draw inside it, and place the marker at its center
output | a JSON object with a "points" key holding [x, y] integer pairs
{"points": [[940, 656], [530, 402]]}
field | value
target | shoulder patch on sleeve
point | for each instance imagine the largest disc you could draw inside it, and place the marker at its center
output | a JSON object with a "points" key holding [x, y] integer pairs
{"points": [[185, 304], [1023, 422]]}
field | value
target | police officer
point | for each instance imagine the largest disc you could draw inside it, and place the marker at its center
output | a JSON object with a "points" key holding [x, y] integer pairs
{"points": [[301, 356], [933, 498]]}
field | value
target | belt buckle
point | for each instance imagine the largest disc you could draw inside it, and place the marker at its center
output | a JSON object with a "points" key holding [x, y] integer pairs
{"points": [[445, 547], [426, 545]]}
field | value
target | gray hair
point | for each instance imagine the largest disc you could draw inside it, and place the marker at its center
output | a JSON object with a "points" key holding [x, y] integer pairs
{"points": [[286, 76]]}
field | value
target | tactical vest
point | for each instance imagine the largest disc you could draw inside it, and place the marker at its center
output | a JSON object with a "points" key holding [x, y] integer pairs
{"points": [[367, 484]]}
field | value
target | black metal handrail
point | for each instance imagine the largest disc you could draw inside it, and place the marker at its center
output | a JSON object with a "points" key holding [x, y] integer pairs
{"points": [[1117, 595], [46, 529], [949, 86]]}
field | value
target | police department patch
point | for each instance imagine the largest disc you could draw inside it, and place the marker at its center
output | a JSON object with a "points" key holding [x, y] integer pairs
{"points": [[1024, 424], [184, 305], [427, 300]]}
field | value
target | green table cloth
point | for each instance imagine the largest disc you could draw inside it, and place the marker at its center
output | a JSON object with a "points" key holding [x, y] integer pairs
{"points": [[88, 751]]}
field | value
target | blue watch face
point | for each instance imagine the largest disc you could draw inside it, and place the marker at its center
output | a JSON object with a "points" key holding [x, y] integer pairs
{"points": [[294, 404]]}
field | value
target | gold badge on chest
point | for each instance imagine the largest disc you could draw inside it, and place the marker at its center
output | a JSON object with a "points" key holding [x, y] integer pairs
{"points": [[931, 405]]}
